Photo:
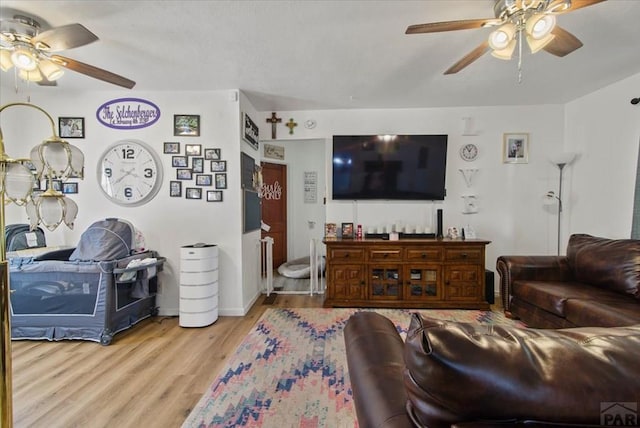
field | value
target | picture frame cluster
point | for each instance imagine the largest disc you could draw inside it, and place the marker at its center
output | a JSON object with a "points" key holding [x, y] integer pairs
{"points": [[197, 169]]}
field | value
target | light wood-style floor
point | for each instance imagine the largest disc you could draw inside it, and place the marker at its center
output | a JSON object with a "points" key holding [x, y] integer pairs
{"points": [[150, 376]]}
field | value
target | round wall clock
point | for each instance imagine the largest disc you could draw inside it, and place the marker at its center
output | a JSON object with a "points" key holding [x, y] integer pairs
{"points": [[130, 173], [469, 152]]}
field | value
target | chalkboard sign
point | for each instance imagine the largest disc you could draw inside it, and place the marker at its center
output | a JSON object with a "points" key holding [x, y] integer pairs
{"points": [[252, 214], [247, 165]]}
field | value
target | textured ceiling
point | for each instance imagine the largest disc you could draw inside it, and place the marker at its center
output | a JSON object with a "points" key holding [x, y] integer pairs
{"points": [[300, 55]]}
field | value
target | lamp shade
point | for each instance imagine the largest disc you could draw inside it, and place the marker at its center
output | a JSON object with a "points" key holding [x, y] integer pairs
{"points": [[18, 182], [563, 158], [540, 26], [57, 159], [50, 70], [505, 53], [5, 60], [536, 44], [500, 38], [30, 75], [24, 58], [50, 209]]}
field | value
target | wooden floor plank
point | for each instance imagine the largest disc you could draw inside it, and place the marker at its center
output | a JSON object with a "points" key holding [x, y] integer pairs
{"points": [[150, 375]]}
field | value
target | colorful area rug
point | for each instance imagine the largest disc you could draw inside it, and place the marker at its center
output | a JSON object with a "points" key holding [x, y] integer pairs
{"points": [[291, 370]]}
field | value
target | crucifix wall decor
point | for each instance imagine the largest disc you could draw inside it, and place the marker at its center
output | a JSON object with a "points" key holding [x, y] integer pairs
{"points": [[274, 120], [291, 124]]}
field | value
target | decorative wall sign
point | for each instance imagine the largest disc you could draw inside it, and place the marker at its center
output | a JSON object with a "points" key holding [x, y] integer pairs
{"points": [[128, 113], [250, 132], [310, 187], [273, 152]]}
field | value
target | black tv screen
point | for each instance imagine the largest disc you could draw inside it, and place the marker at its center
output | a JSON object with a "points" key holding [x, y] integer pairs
{"points": [[392, 167]]}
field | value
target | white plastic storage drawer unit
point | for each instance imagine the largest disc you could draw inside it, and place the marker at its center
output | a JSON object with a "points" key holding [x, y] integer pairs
{"points": [[198, 285]]}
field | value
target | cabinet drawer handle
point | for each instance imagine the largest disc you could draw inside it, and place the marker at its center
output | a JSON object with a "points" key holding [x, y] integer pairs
{"points": [[385, 255], [346, 256], [463, 255], [361, 282], [424, 255]]}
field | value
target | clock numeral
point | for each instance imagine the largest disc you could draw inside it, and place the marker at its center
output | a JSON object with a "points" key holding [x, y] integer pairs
{"points": [[148, 173], [107, 172], [128, 154], [128, 192]]}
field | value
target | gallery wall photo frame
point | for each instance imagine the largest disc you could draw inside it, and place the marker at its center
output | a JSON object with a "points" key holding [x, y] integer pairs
{"points": [[193, 193], [70, 187], [221, 180], [171, 147], [186, 125], [204, 180], [212, 154], [515, 147], [175, 189], [197, 165], [218, 166], [71, 127], [214, 195], [179, 161], [250, 132]]}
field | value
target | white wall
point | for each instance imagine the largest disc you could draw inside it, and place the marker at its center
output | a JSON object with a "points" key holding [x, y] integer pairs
{"points": [[511, 214], [604, 128], [167, 223]]}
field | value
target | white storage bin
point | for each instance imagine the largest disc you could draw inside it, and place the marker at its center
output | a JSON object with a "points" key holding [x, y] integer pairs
{"points": [[198, 285]]}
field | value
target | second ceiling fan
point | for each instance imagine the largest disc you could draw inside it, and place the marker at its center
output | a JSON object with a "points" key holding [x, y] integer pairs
{"points": [[518, 21]]}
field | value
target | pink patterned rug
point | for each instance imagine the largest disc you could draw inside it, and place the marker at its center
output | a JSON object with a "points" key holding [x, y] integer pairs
{"points": [[291, 370]]}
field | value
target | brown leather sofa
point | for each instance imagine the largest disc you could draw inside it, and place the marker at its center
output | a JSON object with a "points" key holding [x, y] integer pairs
{"points": [[596, 284], [450, 374]]}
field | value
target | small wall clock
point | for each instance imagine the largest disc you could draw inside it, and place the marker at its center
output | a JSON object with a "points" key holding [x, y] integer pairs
{"points": [[469, 152], [130, 173]]}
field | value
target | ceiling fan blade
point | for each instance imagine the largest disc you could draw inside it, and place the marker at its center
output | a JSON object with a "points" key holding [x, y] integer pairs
{"points": [[579, 4], [436, 27], [91, 71], [65, 37], [469, 58], [563, 43]]}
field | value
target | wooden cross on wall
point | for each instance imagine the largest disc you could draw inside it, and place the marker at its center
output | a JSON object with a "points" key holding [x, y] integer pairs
{"points": [[291, 124], [273, 120]]}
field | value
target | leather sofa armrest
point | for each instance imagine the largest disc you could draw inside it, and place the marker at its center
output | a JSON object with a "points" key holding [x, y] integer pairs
{"points": [[533, 268], [375, 360]]}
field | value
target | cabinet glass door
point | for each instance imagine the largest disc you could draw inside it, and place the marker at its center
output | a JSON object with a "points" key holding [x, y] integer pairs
{"points": [[384, 283], [422, 283]]}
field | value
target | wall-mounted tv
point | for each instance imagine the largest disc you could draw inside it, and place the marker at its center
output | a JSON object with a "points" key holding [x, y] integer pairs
{"points": [[392, 167]]}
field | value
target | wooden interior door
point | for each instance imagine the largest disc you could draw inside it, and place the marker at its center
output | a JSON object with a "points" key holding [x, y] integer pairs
{"points": [[274, 208]]}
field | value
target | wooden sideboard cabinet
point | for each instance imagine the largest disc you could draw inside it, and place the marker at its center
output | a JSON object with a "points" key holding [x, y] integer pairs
{"points": [[409, 273]]}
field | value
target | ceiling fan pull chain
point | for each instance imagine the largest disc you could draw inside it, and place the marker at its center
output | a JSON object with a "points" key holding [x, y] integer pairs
{"points": [[520, 54]]}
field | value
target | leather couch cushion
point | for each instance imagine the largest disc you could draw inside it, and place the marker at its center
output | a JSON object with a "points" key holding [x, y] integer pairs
{"points": [[601, 313], [552, 296], [458, 372], [608, 263]]}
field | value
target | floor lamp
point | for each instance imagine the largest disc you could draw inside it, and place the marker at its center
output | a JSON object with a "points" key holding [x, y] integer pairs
{"points": [[52, 159], [560, 161]]}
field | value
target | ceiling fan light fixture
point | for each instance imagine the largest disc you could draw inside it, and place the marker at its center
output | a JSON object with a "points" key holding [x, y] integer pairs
{"points": [[24, 58], [50, 70], [5, 60], [30, 75], [505, 53], [537, 44], [557, 6], [540, 26], [500, 38]]}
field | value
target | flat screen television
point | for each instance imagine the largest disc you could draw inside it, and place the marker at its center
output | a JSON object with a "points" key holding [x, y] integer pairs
{"points": [[390, 167]]}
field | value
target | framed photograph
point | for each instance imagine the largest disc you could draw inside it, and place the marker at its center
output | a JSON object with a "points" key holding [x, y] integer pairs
{"points": [[250, 132], [71, 127], [330, 231], [184, 174], [214, 195], [179, 161], [193, 149], [204, 180], [221, 181], [218, 166], [193, 193], [197, 165], [515, 148], [212, 154], [69, 188], [186, 125], [172, 148], [347, 230], [175, 189]]}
